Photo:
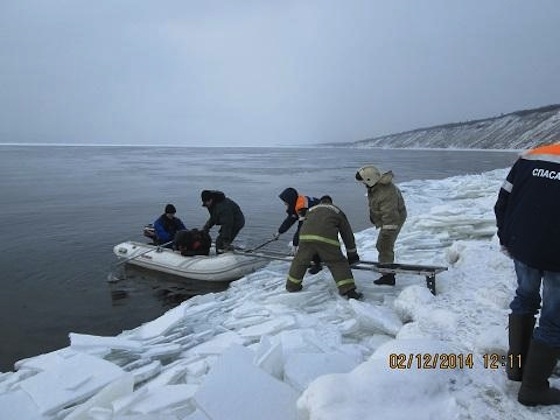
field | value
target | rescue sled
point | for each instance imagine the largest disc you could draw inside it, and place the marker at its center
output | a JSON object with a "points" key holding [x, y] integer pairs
{"points": [[428, 271]]}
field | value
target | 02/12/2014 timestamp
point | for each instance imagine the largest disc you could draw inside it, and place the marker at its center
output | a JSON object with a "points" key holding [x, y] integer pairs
{"points": [[451, 361]]}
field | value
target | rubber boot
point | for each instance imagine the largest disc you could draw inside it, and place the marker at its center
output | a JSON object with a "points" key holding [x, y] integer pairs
{"points": [[293, 286], [353, 294], [535, 389], [315, 265], [386, 279], [315, 268], [520, 334]]}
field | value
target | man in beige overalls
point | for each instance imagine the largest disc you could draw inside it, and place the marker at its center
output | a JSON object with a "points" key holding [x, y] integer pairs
{"points": [[387, 212]]}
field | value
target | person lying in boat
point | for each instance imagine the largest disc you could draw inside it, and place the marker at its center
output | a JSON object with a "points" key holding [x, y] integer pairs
{"points": [[225, 213], [166, 226], [191, 242]]}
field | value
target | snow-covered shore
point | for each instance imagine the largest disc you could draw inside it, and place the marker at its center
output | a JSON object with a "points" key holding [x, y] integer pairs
{"points": [[255, 351]]}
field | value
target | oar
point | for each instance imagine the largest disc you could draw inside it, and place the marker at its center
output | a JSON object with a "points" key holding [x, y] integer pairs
{"points": [[158, 249], [269, 255], [261, 245]]}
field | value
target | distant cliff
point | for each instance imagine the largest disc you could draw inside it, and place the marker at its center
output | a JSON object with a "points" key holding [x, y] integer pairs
{"points": [[517, 130]]}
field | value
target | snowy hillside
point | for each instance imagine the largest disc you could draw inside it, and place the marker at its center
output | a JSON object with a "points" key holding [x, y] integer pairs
{"points": [[517, 130]]}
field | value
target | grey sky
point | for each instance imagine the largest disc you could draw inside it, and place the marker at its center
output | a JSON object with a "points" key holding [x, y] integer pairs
{"points": [[237, 72]]}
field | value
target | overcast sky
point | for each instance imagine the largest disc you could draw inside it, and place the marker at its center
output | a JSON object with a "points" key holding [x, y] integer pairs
{"points": [[276, 72]]}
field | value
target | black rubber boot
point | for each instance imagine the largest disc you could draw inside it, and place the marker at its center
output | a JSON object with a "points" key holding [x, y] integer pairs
{"points": [[353, 294], [293, 287], [520, 334], [535, 389], [315, 268], [386, 279]]}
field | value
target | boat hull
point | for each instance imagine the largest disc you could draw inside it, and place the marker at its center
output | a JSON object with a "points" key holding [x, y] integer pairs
{"points": [[212, 268]]}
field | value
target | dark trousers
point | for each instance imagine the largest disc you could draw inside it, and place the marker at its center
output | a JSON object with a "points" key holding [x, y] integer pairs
{"points": [[331, 256]]}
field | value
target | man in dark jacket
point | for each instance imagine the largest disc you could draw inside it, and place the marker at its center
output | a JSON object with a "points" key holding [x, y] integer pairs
{"points": [[223, 212], [166, 226], [319, 236], [296, 207], [527, 215]]}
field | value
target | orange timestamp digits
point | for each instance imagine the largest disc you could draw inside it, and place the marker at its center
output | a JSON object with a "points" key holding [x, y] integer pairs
{"points": [[431, 361], [496, 361]]}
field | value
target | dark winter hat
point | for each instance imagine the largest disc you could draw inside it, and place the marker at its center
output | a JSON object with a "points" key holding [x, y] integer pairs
{"points": [[206, 195], [170, 208], [289, 195]]}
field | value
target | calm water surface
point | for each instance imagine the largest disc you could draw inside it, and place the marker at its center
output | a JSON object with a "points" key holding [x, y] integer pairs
{"points": [[64, 208]]}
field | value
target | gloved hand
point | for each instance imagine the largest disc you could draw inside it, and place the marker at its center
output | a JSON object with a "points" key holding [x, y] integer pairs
{"points": [[275, 235], [353, 258]]}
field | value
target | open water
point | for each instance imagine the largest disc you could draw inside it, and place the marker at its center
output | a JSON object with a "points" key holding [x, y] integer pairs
{"points": [[64, 208]]}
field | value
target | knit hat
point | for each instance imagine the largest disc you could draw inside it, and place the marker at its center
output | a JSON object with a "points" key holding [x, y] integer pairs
{"points": [[170, 208], [206, 195]]}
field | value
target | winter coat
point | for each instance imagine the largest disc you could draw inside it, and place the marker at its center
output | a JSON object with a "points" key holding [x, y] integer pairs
{"points": [[323, 223], [166, 228], [226, 213], [296, 203], [528, 207], [387, 209]]}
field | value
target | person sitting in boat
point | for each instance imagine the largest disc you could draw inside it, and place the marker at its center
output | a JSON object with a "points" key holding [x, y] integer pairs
{"points": [[296, 207], [166, 226], [223, 212]]}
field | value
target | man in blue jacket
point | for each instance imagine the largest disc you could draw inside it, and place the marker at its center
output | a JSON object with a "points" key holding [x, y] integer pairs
{"points": [[167, 225], [528, 219]]}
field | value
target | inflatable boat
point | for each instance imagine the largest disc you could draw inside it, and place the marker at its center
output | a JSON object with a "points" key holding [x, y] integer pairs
{"points": [[228, 266]]}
